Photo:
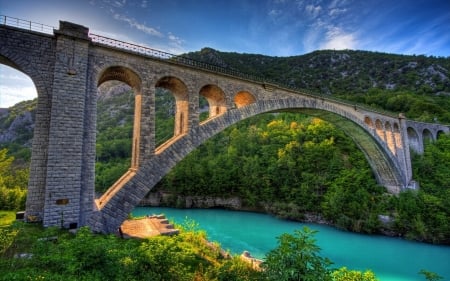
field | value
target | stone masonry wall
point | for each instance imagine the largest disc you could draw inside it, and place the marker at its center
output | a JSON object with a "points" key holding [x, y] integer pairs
{"points": [[67, 126]]}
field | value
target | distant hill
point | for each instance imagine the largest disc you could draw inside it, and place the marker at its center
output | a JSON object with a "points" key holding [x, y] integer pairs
{"points": [[341, 72]]}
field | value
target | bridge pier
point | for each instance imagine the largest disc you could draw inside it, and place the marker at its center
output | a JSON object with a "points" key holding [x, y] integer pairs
{"points": [[68, 195]]}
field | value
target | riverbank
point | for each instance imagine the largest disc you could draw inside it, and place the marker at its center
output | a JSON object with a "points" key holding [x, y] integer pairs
{"points": [[288, 211], [391, 259]]}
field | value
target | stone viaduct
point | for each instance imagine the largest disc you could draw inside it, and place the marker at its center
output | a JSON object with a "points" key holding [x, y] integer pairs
{"points": [[67, 65]]}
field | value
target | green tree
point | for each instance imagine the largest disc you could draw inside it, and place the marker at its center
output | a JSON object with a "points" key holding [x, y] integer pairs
{"points": [[296, 258], [13, 183]]}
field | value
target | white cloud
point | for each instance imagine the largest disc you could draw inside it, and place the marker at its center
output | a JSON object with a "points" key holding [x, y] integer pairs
{"points": [[119, 4], [9, 96], [15, 87], [174, 39], [336, 12], [313, 11], [339, 40], [144, 4], [139, 26], [274, 13]]}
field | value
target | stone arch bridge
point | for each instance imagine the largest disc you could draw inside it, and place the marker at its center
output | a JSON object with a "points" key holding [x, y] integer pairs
{"points": [[67, 65]]}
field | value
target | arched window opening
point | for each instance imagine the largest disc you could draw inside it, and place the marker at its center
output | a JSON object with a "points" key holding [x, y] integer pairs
{"points": [[118, 125], [215, 98], [390, 138], [368, 122], [243, 98], [379, 129], [397, 136], [439, 134], [427, 137], [172, 109], [413, 139]]}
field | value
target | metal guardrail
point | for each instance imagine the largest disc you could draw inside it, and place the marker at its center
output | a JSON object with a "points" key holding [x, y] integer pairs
{"points": [[25, 24], [182, 60]]}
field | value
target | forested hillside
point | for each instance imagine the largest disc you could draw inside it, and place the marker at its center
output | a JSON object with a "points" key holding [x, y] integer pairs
{"points": [[288, 164], [418, 86]]}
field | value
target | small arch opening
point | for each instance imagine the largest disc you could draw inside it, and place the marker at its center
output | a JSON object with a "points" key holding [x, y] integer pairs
{"points": [[413, 139], [173, 99], [243, 98], [368, 122], [216, 101], [118, 125]]}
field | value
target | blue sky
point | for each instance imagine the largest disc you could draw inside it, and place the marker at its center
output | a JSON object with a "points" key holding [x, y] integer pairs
{"points": [[269, 27]]}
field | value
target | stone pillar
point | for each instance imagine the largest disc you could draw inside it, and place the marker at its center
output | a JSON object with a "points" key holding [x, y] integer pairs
{"points": [[69, 151], [147, 123], [38, 167]]}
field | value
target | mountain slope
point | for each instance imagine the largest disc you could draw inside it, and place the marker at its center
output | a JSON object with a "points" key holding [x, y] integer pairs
{"points": [[341, 72]]}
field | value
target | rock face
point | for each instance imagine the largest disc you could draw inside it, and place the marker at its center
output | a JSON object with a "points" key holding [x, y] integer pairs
{"points": [[164, 199], [22, 124]]}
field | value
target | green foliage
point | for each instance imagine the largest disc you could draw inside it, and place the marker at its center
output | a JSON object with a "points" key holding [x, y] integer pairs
{"points": [[296, 258], [423, 214], [352, 202], [424, 108], [299, 164], [344, 274], [53, 254], [235, 269], [13, 183]]}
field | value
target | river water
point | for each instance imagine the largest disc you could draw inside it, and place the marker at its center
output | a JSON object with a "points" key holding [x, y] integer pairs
{"points": [[391, 259]]}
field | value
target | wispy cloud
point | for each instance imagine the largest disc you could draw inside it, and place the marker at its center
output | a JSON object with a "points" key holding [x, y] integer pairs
{"points": [[175, 43], [139, 26]]}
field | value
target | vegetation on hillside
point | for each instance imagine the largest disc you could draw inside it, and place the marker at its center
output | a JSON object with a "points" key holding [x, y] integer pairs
{"points": [[416, 85]]}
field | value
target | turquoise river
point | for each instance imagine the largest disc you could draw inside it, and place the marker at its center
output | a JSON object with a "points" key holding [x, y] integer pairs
{"points": [[391, 259]]}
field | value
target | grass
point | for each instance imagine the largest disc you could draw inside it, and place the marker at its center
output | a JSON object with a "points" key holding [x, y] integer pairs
{"points": [[18, 237]]}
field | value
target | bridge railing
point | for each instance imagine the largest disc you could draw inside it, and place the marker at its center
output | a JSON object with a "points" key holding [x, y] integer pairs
{"points": [[25, 24]]}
